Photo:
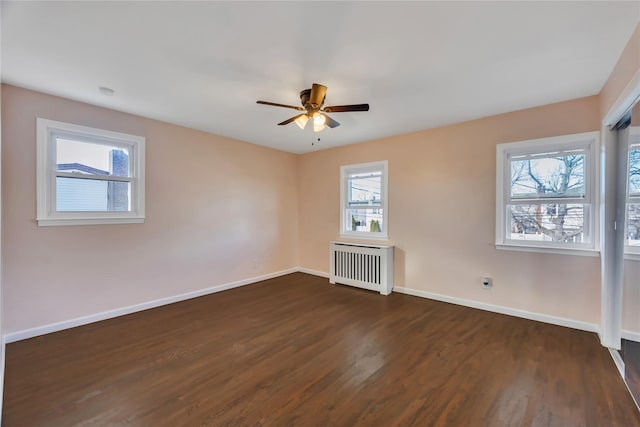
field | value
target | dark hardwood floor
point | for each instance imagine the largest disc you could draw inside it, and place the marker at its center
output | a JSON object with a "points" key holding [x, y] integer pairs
{"points": [[296, 351], [631, 357]]}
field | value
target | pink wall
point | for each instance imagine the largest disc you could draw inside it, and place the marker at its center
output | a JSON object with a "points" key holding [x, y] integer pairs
{"points": [[442, 213], [626, 67], [218, 210], [441, 246], [631, 297], [221, 210]]}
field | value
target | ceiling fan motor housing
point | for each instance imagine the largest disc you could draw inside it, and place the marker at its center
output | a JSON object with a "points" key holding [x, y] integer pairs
{"points": [[305, 96]]}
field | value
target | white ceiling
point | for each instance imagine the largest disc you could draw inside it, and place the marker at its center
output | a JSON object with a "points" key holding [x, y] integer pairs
{"points": [[418, 64]]}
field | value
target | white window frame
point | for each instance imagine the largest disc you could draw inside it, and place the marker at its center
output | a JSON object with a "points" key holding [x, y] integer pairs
{"points": [[46, 170], [631, 252], [347, 170], [587, 140]]}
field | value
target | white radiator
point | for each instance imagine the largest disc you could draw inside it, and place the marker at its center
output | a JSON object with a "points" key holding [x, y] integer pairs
{"points": [[365, 266]]}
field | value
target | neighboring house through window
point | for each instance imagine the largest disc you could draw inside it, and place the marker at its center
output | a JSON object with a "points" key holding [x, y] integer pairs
{"points": [[88, 176], [545, 194], [363, 200]]}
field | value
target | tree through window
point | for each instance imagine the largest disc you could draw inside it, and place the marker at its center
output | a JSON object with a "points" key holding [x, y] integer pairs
{"points": [[546, 190], [548, 178]]}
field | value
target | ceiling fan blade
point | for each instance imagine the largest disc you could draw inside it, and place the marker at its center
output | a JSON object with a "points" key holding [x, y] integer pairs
{"points": [[318, 92], [345, 108], [286, 122], [280, 105], [330, 122]]}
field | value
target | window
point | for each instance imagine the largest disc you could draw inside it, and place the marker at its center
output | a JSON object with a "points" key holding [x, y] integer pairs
{"points": [[633, 193], [363, 196], [545, 191], [88, 176]]}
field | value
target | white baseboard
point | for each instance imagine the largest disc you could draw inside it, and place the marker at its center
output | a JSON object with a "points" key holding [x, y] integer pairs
{"points": [[59, 326], [561, 321], [313, 272], [617, 359], [84, 320], [631, 336]]}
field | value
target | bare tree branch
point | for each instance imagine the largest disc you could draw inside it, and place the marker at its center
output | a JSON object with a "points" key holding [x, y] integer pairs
{"points": [[559, 222]]}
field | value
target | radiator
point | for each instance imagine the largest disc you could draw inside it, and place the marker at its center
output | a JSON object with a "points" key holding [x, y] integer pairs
{"points": [[365, 266]]}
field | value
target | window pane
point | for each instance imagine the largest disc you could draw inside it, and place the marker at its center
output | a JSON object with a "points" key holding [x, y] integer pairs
{"points": [[548, 222], [549, 175], [84, 195], [633, 224], [90, 158], [634, 170], [367, 220], [365, 188]]}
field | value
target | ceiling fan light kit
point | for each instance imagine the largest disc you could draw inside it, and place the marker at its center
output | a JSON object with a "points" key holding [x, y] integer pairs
{"points": [[302, 120], [312, 101]]}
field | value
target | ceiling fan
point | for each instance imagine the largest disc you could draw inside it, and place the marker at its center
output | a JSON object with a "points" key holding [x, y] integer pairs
{"points": [[312, 101]]}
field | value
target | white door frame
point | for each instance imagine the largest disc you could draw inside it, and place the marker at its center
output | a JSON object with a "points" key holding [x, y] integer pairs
{"points": [[611, 280]]}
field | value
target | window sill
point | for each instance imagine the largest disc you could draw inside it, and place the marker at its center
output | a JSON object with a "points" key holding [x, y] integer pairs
{"points": [[365, 236], [549, 250], [632, 256], [89, 221]]}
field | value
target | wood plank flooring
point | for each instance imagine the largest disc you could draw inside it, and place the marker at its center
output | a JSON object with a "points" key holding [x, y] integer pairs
{"points": [[296, 351], [631, 357]]}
